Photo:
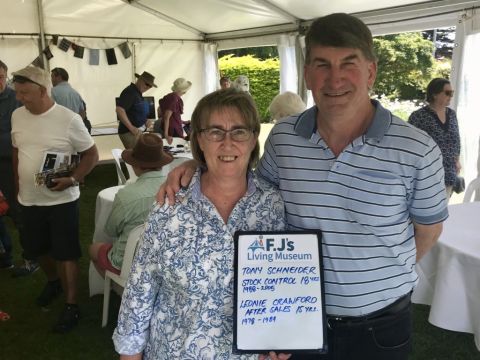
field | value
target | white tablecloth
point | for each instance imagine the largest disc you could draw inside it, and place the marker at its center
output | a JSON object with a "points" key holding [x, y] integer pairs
{"points": [[103, 208], [449, 275]]}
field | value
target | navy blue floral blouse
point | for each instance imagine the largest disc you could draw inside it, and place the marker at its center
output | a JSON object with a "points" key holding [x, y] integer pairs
{"points": [[445, 135], [178, 302]]}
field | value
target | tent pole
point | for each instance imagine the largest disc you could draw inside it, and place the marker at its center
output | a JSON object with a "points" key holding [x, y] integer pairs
{"points": [[42, 35]]}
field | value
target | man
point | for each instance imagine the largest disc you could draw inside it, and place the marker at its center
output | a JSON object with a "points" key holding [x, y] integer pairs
{"points": [[65, 95], [131, 109], [39, 128], [171, 106], [132, 203], [372, 184], [225, 82], [8, 104]]}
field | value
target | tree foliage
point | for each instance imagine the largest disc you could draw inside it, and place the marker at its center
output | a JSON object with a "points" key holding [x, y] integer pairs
{"points": [[405, 65], [444, 41], [264, 76], [261, 52]]}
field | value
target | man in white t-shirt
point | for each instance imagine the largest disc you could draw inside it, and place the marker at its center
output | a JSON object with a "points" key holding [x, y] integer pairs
{"points": [[47, 134]]}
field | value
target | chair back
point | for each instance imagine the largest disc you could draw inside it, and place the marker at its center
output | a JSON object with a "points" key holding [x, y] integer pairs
{"points": [[132, 177], [472, 188], [130, 248], [117, 156]]}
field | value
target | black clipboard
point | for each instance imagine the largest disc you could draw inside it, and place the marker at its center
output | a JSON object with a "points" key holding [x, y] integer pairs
{"points": [[279, 301]]}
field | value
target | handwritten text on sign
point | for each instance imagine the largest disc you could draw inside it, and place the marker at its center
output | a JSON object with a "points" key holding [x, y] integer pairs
{"points": [[279, 298]]}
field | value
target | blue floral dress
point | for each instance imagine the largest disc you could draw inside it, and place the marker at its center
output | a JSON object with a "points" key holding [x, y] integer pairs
{"points": [[178, 302]]}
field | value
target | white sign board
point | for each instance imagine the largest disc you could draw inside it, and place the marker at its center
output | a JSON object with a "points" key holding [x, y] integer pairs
{"points": [[279, 300]]}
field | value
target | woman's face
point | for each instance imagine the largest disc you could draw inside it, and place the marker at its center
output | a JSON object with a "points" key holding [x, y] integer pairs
{"points": [[227, 157], [443, 98]]}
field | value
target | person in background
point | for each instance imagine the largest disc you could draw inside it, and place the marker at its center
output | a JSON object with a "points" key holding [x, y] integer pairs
{"points": [[130, 109], [440, 122], [171, 106], [8, 103], [225, 82], [286, 104], [132, 203], [178, 302], [63, 94], [372, 183], [50, 214], [242, 83]]}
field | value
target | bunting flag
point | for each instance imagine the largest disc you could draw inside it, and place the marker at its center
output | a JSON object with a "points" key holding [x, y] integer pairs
{"points": [[38, 62], [48, 52], [125, 49], [64, 44], [78, 51], [111, 57], [94, 56]]}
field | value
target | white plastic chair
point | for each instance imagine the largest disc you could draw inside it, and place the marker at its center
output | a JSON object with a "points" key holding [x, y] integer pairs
{"points": [[472, 188], [121, 279], [132, 177], [117, 156]]}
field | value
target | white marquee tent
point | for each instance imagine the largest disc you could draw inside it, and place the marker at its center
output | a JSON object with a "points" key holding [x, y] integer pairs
{"points": [[180, 38]]}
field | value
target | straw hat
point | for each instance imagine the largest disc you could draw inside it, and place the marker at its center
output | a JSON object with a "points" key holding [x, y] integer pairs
{"points": [[181, 85], [35, 75], [147, 152]]}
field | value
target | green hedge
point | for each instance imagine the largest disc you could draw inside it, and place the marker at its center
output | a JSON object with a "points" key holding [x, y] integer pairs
{"points": [[264, 76]]}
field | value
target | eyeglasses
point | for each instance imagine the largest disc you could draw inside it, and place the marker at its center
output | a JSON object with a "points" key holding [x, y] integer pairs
{"points": [[147, 85], [216, 134], [449, 92]]}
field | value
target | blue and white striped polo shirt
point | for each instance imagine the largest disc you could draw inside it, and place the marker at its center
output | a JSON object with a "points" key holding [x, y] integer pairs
{"points": [[363, 201]]}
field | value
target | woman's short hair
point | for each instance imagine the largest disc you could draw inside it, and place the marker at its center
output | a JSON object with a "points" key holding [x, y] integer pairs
{"points": [[224, 100], [340, 30], [286, 104], [435, 87]]}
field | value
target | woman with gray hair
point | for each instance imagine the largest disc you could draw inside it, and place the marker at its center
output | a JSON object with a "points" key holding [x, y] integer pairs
{"points": [[178, 302], [440, 122]]}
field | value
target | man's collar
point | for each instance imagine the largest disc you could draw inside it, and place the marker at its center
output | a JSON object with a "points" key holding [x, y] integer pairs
{"points": [[306, 124]]}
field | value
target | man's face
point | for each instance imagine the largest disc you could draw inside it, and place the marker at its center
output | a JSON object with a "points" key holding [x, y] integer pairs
{"points": [[143, 86], [3, 79], [340, 79], [30, 95], [56, 79]]}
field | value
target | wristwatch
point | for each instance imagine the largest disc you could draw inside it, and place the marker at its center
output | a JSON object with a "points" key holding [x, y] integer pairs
{"points": [[74, 181]]}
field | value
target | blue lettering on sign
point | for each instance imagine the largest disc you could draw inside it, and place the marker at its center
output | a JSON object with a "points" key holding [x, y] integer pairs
{"points": [[252, 270]]}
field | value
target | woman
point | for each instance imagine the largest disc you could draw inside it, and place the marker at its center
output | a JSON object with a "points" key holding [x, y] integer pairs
{"points": [[178, 302], [171, 107], [440, 122]]}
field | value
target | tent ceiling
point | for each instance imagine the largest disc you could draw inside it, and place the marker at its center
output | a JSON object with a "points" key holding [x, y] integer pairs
{"points": [[202, 19]]}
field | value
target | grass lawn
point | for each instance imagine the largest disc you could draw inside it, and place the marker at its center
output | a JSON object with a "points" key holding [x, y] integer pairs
{"points": [[27, 334]]}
